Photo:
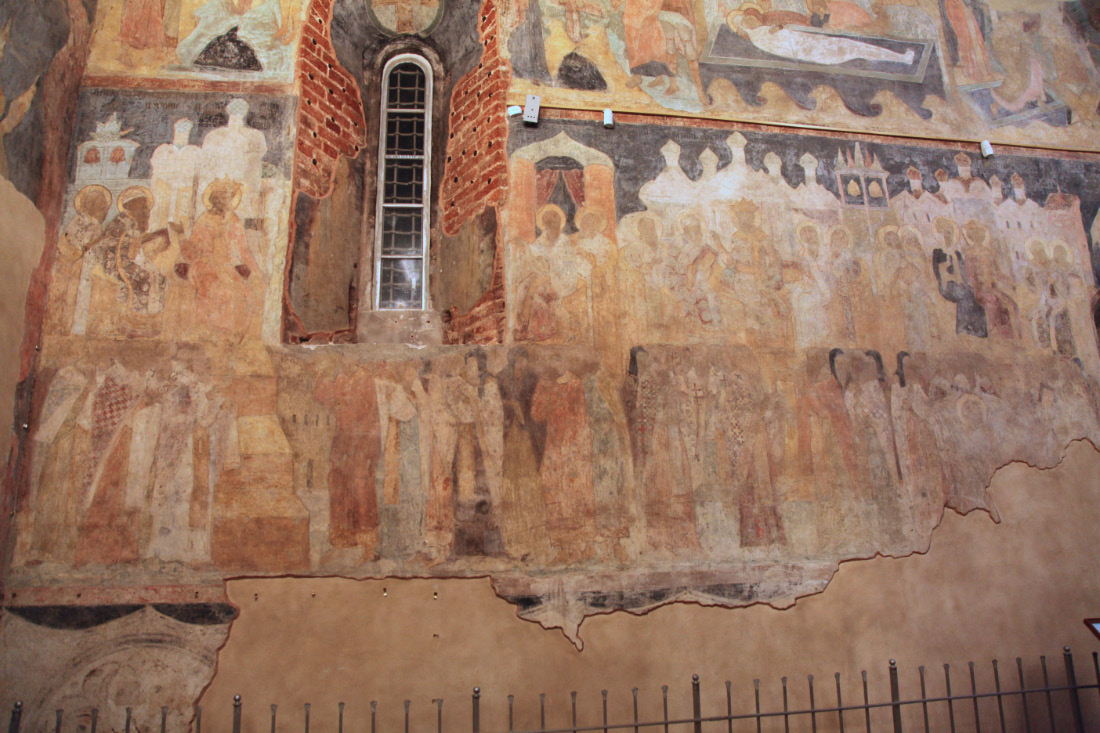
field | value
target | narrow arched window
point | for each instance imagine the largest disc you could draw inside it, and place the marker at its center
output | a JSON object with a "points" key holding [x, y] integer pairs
{"points": [[404, 186]]}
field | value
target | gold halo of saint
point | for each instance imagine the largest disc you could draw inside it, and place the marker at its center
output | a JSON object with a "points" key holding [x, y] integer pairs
{"points": [[81, 201], [592, 212], [220, 185], [547, 210], [132, 194]]}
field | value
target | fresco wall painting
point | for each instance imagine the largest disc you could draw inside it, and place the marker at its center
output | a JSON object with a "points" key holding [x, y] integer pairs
{"points": [[731, 367], [957, 67], [236, 40]]}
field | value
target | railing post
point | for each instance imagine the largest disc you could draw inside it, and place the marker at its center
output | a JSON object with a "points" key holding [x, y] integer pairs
{"points": [[895, 695], [603, 693], [16, 716], [756, 697], [786, 718], [839, 703], [236, 714], [1000, 703], [634, 692], [664, 703], [1074, 698], [1023, 695], [729, 705], [198, 719], [477, 710], [696, 704], [129, 713], [813, 706]]}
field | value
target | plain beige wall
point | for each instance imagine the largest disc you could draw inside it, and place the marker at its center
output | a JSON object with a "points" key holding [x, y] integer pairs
{"points": [[983, 591], [22, 236]]}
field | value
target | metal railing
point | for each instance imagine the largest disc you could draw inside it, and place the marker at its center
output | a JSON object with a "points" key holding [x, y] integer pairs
{"points": [[1046, 707]]}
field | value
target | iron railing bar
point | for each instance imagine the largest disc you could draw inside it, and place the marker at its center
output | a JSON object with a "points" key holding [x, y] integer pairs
{"points": [[1096, 666], [1000, 698], [924, 697], [786, 718], [664, 697], [813, 711], [866, 702], [1074, 698], [1023, 694], [895, 695], [839, 702], [729, 701], [756, 694], [950, 699], [696, 705], [974, 691], [1046, 683], [16, 717]]}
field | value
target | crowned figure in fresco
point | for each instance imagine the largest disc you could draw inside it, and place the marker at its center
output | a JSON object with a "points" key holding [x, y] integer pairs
{"points": [[236, 151]]}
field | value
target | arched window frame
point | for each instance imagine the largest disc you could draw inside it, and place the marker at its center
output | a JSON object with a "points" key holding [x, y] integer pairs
{"points": [[426, 170]]}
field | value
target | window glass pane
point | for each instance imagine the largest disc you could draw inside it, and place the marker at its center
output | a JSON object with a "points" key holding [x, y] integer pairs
{"points": [[405, 133], [400, 283], [407, 87], [401, 232], [404, 182]]}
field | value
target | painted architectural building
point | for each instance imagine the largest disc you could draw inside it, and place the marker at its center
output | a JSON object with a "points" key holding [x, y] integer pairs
{"points": [[332, 377]]}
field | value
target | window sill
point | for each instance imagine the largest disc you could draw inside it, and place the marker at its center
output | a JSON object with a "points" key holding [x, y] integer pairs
{"points": [[417, 328]]}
